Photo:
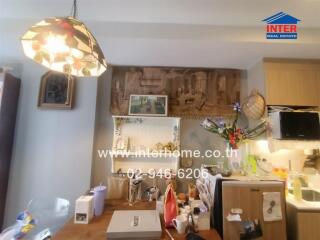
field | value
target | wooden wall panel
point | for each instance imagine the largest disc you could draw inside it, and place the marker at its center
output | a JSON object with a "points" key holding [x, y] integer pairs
{"points": [[192, 92]]}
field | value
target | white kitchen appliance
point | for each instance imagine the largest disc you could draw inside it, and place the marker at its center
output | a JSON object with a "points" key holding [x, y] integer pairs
{"points": [[83, 210]]}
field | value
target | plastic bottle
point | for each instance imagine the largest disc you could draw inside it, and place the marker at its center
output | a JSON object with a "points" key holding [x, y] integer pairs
{"points": [[297, 189]]}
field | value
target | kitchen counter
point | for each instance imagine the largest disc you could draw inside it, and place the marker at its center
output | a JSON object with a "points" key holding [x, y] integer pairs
{"points": [[254, 178], [96, 229], [303, 205], [303, 219], [300, 205]]}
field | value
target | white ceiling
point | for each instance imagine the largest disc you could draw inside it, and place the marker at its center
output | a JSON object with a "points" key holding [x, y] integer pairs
{"points": [[198, 33]]}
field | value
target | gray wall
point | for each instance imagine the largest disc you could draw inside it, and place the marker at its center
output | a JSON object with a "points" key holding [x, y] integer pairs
{"points": [[101, 168], [52, 154]]}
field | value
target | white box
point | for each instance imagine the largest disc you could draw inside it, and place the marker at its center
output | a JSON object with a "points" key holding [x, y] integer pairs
{"points": [[83, 210], [204, 221], [135, 224]]}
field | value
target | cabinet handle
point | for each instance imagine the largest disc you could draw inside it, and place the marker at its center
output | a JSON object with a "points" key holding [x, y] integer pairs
{"points": [[255, 190]]}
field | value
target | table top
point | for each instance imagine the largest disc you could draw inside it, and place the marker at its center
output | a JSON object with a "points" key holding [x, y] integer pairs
{"points": [[96, 229]]}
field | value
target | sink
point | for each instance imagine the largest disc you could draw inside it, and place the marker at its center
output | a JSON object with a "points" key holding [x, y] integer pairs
{"points": [[309, 195]]}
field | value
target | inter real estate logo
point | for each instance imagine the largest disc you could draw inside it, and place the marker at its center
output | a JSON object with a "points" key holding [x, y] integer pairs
{"points": [[281, 26]]}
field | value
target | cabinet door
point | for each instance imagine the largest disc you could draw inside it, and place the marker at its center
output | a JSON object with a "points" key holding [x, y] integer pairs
{"points": [[308, 226], [1, 89], [1, 86], [249, 198], [274, 229], [244, 198], [292, 87], [8, 110]]}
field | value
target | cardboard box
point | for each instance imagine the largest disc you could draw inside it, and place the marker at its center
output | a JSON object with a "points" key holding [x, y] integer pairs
{"points": [[135, 224]]}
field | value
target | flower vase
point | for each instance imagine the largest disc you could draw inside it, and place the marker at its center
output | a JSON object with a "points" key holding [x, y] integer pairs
{"points": [[235, 158]]}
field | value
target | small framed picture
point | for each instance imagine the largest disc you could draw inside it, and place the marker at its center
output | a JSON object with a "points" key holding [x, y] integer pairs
{"points": [[148, 105], [56, 91]]}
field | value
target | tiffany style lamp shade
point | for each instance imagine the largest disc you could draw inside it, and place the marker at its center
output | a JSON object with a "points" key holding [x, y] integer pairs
{"points": [[64, 44]]}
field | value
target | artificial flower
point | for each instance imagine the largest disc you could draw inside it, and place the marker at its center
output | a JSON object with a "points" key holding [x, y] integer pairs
{"points": [[207, 123], [237, 107], [233, 134]]}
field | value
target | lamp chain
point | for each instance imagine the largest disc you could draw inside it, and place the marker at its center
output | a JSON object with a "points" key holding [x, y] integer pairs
{"points": [[74, 9]]}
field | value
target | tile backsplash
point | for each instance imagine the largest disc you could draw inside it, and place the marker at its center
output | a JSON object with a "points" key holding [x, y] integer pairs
{"points": [[280, 158]]}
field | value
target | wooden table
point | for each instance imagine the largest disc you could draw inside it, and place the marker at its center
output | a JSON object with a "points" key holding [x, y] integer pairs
{"points": [[97, 228]]}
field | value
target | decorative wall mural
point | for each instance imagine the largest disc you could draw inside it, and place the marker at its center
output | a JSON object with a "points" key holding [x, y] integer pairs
{"points": [[192, 92]]}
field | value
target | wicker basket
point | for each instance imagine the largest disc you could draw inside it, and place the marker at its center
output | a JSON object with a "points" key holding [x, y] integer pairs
{"points": [[254, 106]]}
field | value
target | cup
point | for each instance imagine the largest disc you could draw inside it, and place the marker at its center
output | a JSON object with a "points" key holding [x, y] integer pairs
{"points": [[99, 197], [180, 223]]}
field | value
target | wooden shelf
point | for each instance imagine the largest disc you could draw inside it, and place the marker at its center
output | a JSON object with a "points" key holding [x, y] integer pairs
{"points": [[136, 137], [146, 117]]}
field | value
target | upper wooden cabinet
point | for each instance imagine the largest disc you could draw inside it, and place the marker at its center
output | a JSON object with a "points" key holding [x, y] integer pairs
{"points": [[287, 82]]}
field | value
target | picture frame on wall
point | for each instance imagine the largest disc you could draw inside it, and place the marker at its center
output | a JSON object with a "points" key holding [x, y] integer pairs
{"points": [[148, 105], [56, 91]]}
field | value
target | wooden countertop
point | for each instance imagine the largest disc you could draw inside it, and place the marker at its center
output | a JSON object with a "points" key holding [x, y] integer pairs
{"points": [[97, 228]]}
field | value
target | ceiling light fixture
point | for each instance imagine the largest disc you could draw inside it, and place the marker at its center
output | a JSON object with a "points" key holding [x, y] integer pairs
{"points": [[64, 44]]}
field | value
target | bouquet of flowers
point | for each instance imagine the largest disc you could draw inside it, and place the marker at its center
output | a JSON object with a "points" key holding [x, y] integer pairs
{"points": [[230, 131]]}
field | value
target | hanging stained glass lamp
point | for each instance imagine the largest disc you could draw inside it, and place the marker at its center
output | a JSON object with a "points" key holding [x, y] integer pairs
{"points": [[64, 44]]}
